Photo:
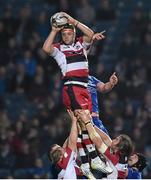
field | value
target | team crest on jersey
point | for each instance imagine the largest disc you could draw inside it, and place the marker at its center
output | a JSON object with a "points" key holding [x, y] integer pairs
{"points": [[65, 155], [77, 47]]}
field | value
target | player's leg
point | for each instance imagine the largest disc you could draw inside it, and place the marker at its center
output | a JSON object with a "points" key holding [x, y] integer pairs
{"points": [[98, 123], [72, 100], [85, 166], [77, 98], [96, 162]]}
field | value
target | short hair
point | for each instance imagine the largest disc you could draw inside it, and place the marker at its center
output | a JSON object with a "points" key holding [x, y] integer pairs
{"points": [[125, 145], [54, 156], [69, 26], [141, 163]]}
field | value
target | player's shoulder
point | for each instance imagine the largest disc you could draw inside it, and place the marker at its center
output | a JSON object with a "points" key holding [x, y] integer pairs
{"points": [[79, 39], [93, 79], [57, 45], [90, 77], [66, 157], [68, 150], [114, 157]]}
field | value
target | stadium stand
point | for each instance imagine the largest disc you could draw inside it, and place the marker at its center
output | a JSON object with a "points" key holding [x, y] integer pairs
{"points": [[32, 116]]}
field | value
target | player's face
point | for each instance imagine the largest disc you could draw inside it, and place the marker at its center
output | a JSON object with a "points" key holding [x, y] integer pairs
{"points": [[57, 147], [115, 142], [133, 159], [68, 36]]}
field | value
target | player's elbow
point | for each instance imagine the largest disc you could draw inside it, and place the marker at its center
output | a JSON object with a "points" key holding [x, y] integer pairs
{"points": [[46, 49], [91, 34], [72, 144]]}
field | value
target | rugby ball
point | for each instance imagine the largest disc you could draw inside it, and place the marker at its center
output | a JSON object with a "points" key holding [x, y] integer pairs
{"points": [[58, 20]]}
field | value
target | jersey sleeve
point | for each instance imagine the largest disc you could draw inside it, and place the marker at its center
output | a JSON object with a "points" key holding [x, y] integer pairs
{"points": [[64, 162], [95, 81], [56, 54], [85, 45], [112, 157], [56, 45], [60, 59], [133, 174]]}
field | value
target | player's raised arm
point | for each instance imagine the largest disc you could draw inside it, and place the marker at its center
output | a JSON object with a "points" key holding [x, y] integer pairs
{"points": [[57, 22], [94, 136], [108, 86], [88, 33], [72, 139], [47, 46], [106, 139], [98, 36]]}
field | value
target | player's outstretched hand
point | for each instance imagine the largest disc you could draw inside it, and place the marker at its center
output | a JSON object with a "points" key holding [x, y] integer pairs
{"points": [[113, 79], [98, 36], [72, 116]]}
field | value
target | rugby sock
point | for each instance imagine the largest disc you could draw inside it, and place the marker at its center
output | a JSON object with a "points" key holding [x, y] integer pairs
{"points": [[89, 145], [82, 152]]}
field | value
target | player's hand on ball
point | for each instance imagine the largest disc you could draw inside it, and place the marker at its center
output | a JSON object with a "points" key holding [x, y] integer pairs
{"points": [[71, 20], [83, 116], [72, 116], [57, 29], [113, 79], [58, 20]]}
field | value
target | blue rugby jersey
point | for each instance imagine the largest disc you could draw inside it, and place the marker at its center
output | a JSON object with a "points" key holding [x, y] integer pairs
{"points": [[92, 88], [134, 174]]}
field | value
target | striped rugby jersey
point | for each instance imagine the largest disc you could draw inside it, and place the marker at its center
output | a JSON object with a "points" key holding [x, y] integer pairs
{"points": [[72, 59]]}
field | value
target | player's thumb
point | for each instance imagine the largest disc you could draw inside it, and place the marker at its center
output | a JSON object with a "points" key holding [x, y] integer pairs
{"points": [[114, 73]]}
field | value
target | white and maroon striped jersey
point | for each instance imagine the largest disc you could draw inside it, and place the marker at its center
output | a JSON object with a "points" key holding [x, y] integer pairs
{"points": [[72, 59], [117, 163], [68, 166]]}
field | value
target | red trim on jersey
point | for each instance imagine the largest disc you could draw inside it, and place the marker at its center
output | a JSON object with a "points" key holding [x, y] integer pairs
{"points": [[78, 171], [64, 162], [121, 174], [113, 157], [80, 39], [57, 45], [80, 145], [78, 73], [69, 53]]}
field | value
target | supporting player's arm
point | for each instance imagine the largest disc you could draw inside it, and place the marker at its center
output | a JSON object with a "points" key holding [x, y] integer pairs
{"points": [[65, 143], [108, 86], [72, 139], [106, 139], [94, 136]]}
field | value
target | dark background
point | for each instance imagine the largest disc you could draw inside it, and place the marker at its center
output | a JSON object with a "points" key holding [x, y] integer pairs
{"points": [[32, 116]]}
